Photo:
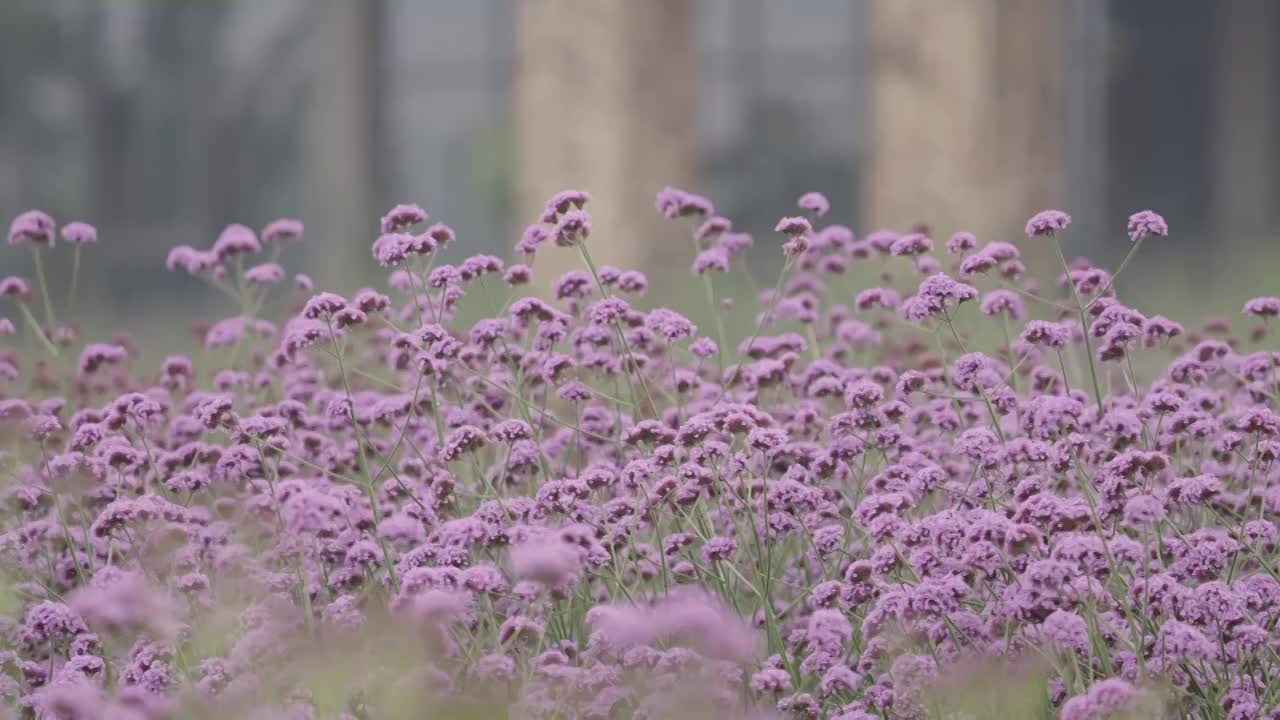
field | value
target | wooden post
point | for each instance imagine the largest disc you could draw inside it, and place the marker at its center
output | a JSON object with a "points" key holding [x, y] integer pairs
{"points": [[1245, 141], [340, 161], [965, 115], [604, 103]]}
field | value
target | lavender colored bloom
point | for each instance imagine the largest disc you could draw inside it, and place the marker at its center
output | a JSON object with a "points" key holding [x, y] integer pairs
{"points": [[79, 233], [401, 218], [551, 562], [719, 549], [814, 202], [1262, 307], [574, 227], [564, 201], [282, 230], [1146, 223], [714, 259], [15, 287], [1105, 699], [961, 242], [465, 439], [1047, 223], [793, 226], [34, 227], [1002, 302], [1067, 631], [910, 245], [265, 274], [235, 240], [673, 203]]}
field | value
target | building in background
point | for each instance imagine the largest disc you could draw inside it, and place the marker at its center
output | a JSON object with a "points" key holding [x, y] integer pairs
{"points": [[163, 121]]}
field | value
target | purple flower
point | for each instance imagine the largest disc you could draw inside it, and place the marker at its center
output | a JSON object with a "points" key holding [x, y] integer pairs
{"points": [[33, 227], [78, 233], [910, 245], [551, 562], [1047, 223], [562, 202], [265, 274], [1262, 307], [961, 242], [719, 549], [282, 230], [793, 226], [235, 240], [573, 228], [401, 218], [1146, 223], [673, 203], [814, 202]]}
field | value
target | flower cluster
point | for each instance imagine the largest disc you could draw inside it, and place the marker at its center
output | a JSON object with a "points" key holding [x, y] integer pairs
{"points": [[589, 507]]}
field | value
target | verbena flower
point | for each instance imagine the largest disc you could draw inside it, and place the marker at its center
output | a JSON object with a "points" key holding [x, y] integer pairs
{"points": [[578, 505]]}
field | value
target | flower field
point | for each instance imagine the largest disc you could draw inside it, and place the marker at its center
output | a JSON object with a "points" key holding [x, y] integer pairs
{"points": [[585, 506]]}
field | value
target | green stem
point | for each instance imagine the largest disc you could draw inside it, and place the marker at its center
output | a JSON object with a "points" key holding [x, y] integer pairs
{"points": [[1084, 327], [44, 286], [75, 282], [35, 328], [1102, 293]]}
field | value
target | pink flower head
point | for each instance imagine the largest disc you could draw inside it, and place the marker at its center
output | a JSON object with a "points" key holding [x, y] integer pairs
{"points": [[550, 561], [34, 227], [441, 236], [713, 259], [1047, 223], [1002, 302], [534, 236], [674, 203], [573, 228], [79, 233], [391, 249], [793, 226], [814, 202], [323, 305], [562, 202], [961, 242], [234, 240], [911, 244], [265, 274], [1262, 307], [401, 218], [712, 228], [518, 275], [1145, 223], [282, 230], [98, 354], [15, 287]]}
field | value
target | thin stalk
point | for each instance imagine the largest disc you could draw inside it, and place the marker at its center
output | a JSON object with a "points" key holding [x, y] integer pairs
{"points": [[75, 282], [1084, 326], [1103, 292], [44, 286]]}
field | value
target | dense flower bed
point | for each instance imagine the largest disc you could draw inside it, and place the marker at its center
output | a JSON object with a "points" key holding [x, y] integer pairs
{"points": [[578, 509]]}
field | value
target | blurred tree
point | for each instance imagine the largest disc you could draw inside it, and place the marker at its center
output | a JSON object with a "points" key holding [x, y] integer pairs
{"points": [[965, 114], [344, 135], [159, 121], [605, 103], [1245, 141], [780, 155]]}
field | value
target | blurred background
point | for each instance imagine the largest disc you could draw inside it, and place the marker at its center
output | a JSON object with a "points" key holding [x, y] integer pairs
{"points": [[160, 121]]}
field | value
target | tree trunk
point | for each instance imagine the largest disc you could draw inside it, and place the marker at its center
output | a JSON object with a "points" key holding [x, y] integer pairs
{"points": [[965, 115], [340, 157], [604, 103], [1246, 125]]}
